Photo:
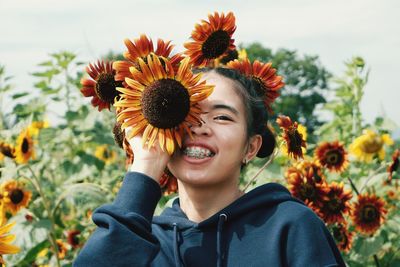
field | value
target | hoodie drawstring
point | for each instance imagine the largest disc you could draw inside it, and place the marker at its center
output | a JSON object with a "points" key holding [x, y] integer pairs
{"points": [[176, 248], [222, 219]]}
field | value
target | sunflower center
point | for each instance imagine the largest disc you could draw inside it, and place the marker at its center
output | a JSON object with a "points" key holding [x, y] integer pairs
{"points": [[373, 145], [216, 44], [105, 87], [334, 204], [25, 146], [369, 213], [17, 196], [338, 235], [106, 154], [333, 157], [307, 191], [165, 103], [7, 151], [295, 141]]}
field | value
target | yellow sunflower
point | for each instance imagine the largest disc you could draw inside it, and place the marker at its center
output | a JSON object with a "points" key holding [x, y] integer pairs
{"points": [[6, 150], [15, 196], [105, 154], [24, 149], [101, 84], [36, 126], [332, 155], [161, 103], [211, 39], [264, 75], [294, 137], [5, 240], [370, 144]]}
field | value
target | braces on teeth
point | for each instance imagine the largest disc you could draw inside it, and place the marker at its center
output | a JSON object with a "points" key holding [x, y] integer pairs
{"points": [[198, 153]]}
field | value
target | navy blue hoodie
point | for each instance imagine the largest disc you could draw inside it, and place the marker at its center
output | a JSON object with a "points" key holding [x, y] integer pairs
{"points": [[265, 227]]}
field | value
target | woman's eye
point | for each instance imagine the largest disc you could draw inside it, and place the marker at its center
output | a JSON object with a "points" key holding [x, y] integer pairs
{"points": [[222, 117]]}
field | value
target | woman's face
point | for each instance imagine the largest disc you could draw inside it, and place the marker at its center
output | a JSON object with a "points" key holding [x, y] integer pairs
{"points": [[220, 144]]}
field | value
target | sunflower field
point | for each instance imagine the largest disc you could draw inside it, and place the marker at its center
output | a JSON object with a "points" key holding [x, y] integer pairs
{"points": [[63, 154]]}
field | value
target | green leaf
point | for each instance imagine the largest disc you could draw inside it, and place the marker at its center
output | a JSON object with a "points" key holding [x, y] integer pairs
{"points": [[33, 252], [15, 96], [371, 246]]}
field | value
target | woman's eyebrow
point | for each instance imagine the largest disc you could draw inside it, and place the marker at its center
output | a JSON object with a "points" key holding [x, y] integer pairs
{"points": [[223, 106]]}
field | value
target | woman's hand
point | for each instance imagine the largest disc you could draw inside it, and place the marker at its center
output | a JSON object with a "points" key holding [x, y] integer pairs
{"points": [[151, 162]]}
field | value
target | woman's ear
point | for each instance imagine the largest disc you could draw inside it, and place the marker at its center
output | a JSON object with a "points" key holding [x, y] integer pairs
{"points": [[253, 146]]}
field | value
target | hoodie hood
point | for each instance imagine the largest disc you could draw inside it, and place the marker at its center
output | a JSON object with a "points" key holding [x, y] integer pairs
{"points": [[263, 196]]}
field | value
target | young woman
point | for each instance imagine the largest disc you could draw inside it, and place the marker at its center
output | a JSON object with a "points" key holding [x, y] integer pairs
{"points": [[212, 223]]}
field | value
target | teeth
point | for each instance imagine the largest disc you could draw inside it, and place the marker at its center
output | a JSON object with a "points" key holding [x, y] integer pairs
{"points": [[198, 152]]}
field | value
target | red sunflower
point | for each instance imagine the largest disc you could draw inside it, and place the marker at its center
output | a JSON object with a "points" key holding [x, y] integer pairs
{"points": [[335, 204], [368, 213], [211, 39], [394, 166], [293, 138], [264, 75], [141, 48], [168, 183], [332, 156], [73, 238], [7, 150], [101, 85], [303, 185], [343, 237]]}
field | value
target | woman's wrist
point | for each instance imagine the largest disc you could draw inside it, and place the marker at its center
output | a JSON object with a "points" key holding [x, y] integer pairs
{"points": [[148, 168]]}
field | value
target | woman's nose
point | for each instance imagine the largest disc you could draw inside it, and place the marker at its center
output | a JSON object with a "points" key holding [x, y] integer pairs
{"points": [[201, 129]]}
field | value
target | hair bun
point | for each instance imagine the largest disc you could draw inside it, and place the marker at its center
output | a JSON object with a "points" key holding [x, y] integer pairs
{"points": [[268, 144]]}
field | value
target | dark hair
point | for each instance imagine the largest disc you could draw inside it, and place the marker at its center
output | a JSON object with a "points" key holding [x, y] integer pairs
{"points": [[256, 113]]}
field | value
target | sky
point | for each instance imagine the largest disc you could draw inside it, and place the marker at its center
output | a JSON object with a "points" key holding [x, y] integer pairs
{"points": [[335, 31]]}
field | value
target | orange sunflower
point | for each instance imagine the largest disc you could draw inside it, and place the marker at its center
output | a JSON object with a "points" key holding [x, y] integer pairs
{"points": [[141, 48], [24, 148], [168, 183], [264, 75], [306, 185], [7, 150], [394, 166], [119, 134], [368, 213], [62, 249], [161, 103], [101, 85], [293, 139], [15, 196], [332, 156], [211, 39], [335, 204], [343, 237]]}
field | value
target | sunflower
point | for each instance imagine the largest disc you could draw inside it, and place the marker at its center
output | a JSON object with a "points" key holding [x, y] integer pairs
{"points": [[24, 148], [368, 213], [5, 240], [343, 237], [294, 137], [141, 48], [62, 249], [161, 103], [15, 196], [119, 134], [332, 156], [105, 154], [211, 39], [101, 84], [73, 239], [168, 183], [394, 166], [304, 184], [335, 204], [36, 126], [370, 144], [6, 150], [264, 75]]}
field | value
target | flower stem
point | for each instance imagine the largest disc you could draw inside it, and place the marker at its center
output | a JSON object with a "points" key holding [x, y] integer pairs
{"points": [[260, 170], [376, 261], [353, 186], [51, 234]]}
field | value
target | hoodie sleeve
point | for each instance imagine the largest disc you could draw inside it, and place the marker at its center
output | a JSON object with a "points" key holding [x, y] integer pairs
{"points": [[310, 244], [123, 236]]}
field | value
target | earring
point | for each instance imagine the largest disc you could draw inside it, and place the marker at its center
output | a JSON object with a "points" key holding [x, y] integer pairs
{"points": [[245, 161]]}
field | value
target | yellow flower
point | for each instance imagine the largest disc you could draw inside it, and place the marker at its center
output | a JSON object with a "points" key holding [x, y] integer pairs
{"points": [[5, 240], [24, 148], [15, 196], [294, 137], [370, 144], [36, 126], [105, 154], [242, 54]]}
